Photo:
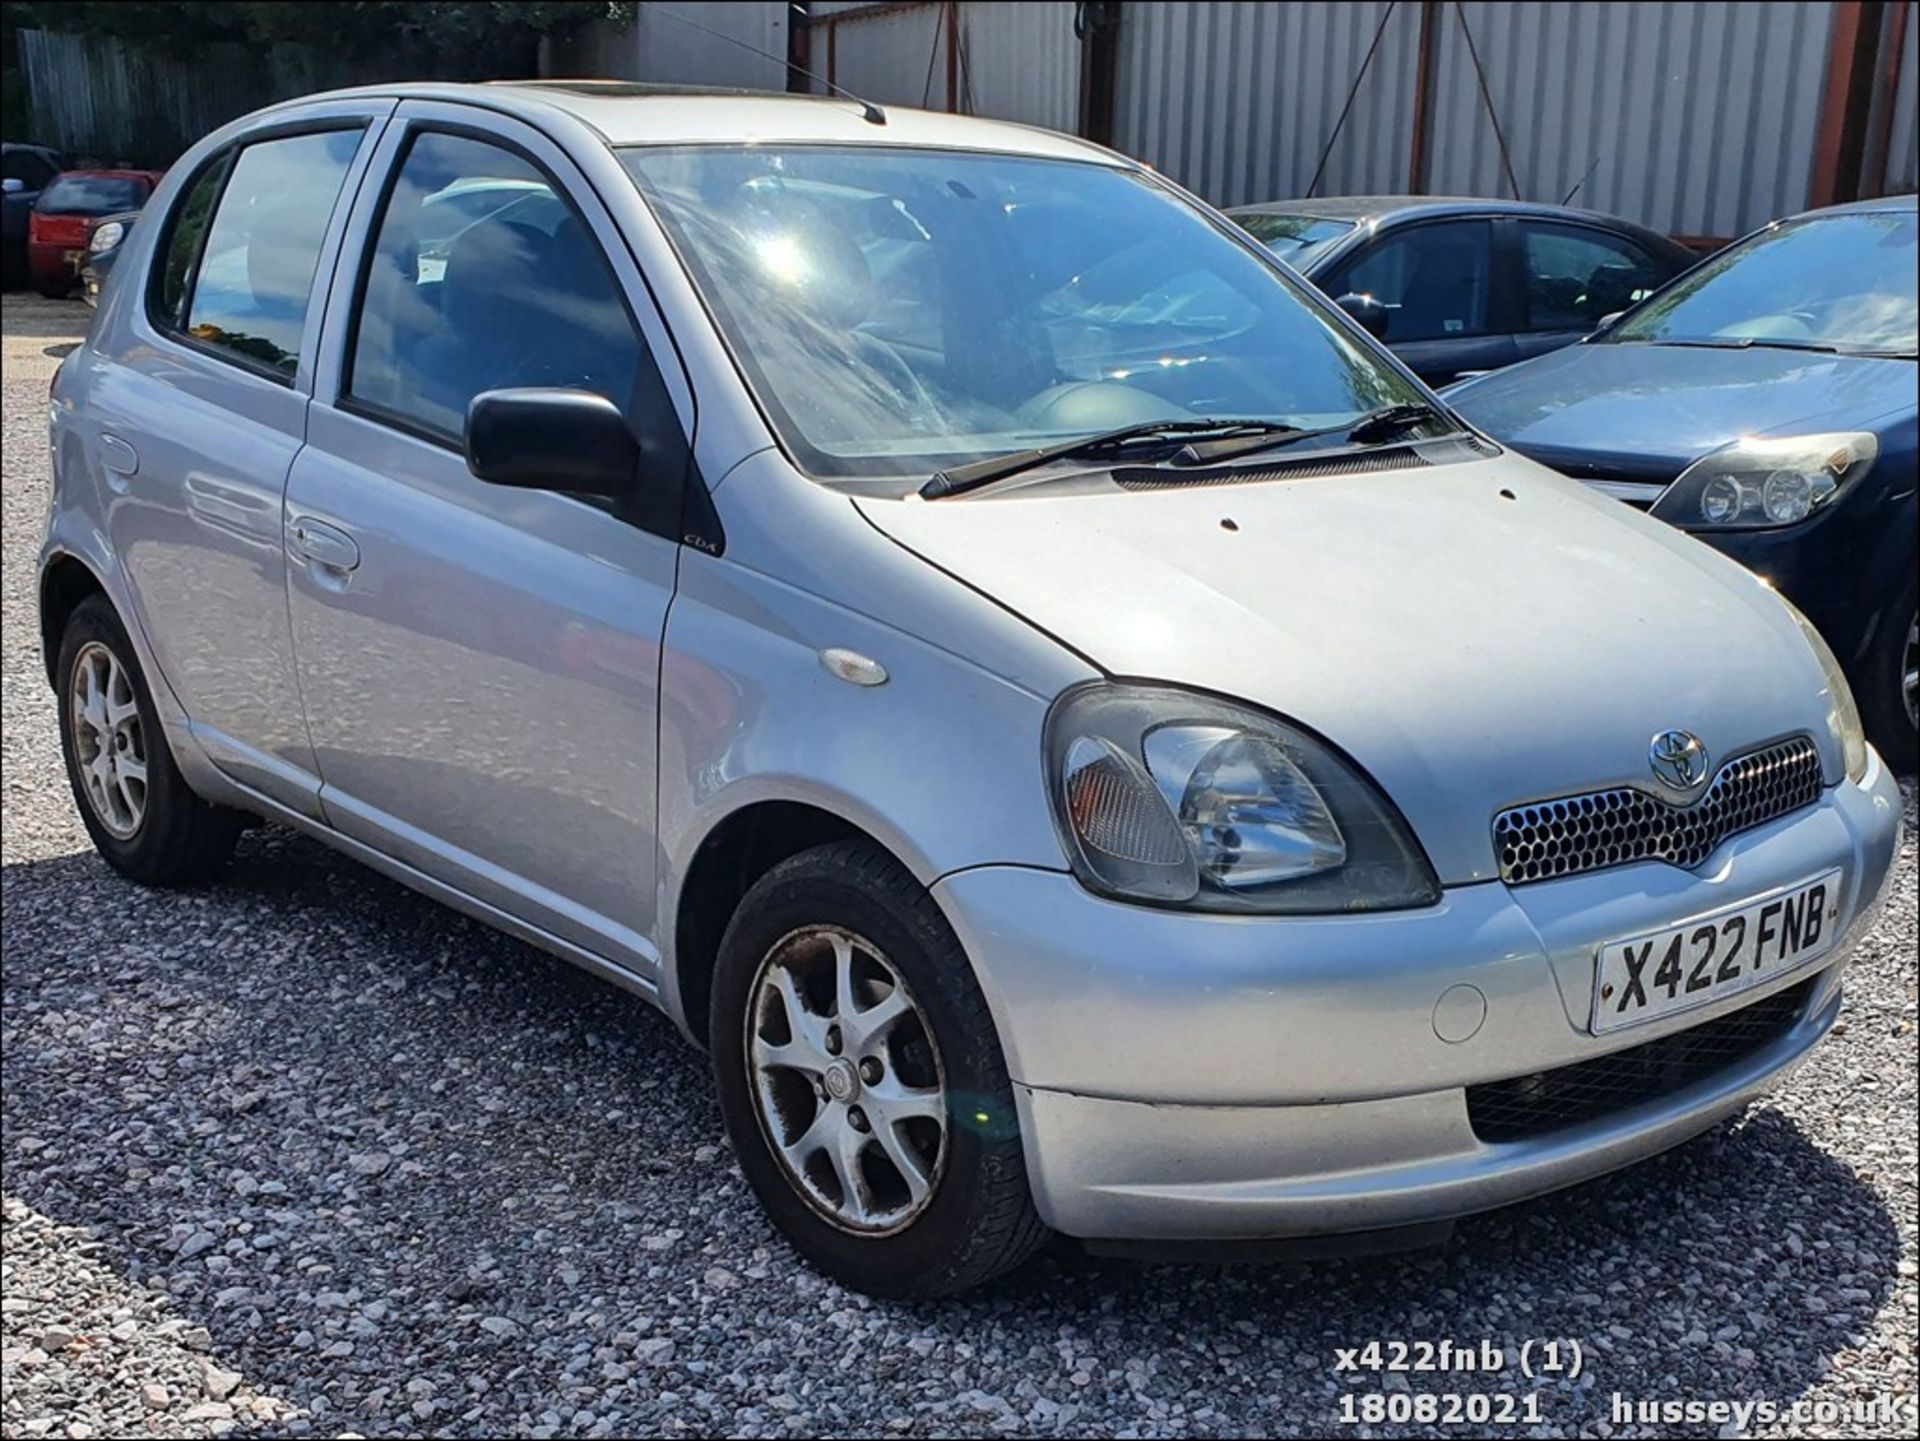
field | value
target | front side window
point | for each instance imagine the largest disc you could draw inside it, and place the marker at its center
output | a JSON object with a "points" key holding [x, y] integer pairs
{"points": [[1829, 282], [245, 241], [483, 277], [1574, 278], [897, 311], [1433, 279]]}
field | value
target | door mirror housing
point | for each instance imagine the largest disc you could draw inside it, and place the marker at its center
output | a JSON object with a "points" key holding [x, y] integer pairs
{"points": [[1607, 322], [1368, 313], [14, 185], [571, 440]]}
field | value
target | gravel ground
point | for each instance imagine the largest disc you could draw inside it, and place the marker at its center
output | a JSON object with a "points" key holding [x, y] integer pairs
{"points": [[307, 1154]]}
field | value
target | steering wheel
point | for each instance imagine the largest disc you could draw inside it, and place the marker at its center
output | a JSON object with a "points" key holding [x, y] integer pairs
{"points": [[1094, 405]]}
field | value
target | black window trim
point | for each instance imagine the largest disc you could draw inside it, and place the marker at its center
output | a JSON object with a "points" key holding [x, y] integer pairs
{"points": [[174, 328], [696, 524], [344, 398]]}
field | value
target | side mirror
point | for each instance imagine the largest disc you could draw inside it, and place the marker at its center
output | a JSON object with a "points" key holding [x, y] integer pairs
{"points": [[552, 440], [1607, 322], [13, 185], [1369, 313]]}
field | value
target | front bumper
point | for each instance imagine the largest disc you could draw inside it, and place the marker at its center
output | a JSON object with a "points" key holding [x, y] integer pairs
{"points": [[1184, 1076]]}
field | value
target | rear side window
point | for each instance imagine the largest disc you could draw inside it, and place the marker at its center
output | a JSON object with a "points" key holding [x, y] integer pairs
{"points": [[92, 195], [245, 241], [1575, 278], [483, 276]]}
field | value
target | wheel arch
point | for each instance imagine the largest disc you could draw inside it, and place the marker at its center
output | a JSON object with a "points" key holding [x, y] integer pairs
{"points": [[741, 846], [65, 581]]}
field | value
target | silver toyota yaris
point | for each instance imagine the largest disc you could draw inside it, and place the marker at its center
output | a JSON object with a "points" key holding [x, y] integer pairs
{"points": [[1086, 740]]}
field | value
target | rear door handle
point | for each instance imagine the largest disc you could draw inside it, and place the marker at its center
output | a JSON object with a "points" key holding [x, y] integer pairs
{"points": [[323, 544]]}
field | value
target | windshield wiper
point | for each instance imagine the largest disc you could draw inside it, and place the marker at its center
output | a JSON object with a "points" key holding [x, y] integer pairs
{"points": [[1370, 429], [1753, 342], [963, 478]]}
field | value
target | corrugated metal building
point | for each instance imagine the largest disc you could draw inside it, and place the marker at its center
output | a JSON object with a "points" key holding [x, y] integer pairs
{"points": [[1700, 117]]}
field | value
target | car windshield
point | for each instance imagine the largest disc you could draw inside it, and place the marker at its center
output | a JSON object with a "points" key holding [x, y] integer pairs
{"points": [[92, 195], [899, 311], [1829, 282], [1296, 239]]}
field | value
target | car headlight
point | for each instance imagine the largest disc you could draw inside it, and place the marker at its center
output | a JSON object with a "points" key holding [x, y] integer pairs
{"points": [[1843, 713], [1176, 799], [105, 237], [1764, 484]]}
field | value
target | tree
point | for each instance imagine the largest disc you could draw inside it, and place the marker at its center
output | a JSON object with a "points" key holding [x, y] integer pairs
{"points": [[466, 39]]}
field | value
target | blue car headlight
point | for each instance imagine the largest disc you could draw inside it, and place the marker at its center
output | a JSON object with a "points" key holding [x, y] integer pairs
{"points": [[1766, 484]]}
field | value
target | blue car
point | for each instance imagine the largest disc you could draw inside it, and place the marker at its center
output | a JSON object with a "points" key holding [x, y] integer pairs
{"points": [[1766, 402], [1464, 285]]}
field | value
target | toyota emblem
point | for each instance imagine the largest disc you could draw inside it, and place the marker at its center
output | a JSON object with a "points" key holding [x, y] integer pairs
{"points": [[1678, 759]]}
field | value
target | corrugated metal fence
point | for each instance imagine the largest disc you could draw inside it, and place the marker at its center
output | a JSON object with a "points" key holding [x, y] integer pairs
{"points": [[1012, 61], [1699, 117], [1696, 118], [1238, 101], [94, 95], [1903, 125]]}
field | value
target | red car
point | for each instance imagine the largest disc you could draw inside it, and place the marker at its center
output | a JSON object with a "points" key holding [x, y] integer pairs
{"points": [[64, 216]]}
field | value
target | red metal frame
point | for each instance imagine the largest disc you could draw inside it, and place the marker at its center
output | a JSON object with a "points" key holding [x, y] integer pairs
{"points": [[1423, 97], [1839, 150]]}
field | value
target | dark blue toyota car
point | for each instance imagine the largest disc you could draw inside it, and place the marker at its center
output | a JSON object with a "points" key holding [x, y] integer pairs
{"points": [[1765, 401]]}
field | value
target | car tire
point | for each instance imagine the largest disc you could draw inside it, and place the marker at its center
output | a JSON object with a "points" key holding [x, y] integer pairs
{"points": [[1884, 697], [155, 830], [53, 291], [973, 1218]]}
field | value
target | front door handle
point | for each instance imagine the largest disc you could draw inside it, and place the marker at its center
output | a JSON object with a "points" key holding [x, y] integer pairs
{"points": [[324, 545]]}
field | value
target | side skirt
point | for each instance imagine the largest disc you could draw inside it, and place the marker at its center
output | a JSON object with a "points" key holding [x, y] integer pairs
{"points": [[604, 967]]}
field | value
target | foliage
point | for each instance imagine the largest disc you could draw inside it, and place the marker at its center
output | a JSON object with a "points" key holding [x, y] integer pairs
{"points": [[470, 38]]}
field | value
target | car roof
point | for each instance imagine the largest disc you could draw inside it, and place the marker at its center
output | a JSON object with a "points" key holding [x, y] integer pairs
{"points": [[627, 113], [1363, 208], [1881, 203]]}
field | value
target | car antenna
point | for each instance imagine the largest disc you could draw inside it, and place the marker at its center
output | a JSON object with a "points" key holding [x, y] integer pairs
{"points": [[869, 112], [1585, 176]]}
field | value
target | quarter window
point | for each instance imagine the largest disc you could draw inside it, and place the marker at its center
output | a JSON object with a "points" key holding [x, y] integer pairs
{"points": [[244, 245], [1431, 278], [1576, 278], [482, 277]]}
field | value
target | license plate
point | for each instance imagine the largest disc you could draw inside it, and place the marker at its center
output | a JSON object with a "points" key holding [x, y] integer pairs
{"points": [[1714, 956]]}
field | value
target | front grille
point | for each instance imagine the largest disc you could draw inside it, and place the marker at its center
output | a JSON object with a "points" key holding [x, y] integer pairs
{"points": [[1547, 1101], [1617, 827]]}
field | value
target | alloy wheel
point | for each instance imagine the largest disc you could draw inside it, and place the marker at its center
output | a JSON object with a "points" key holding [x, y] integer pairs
{"points": [[109, 743], [847, 1080]]}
